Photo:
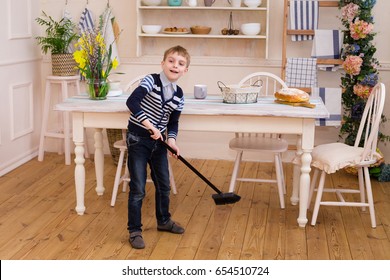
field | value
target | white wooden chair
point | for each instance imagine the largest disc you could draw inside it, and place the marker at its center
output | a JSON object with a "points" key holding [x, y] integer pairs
{"points": [[330, 158], [259, 142], [122, 146]]}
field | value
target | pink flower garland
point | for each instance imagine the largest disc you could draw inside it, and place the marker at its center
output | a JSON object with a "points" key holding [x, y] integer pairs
{"points": [[359, 29], [352, 64], [362, 91], [349, 12]]}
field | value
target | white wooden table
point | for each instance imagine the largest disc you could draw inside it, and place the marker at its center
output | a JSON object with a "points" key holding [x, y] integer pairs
{"points": [[209, 114]]}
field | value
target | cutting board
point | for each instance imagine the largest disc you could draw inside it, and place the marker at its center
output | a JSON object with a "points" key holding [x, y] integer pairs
{"points": [[296, 104]]}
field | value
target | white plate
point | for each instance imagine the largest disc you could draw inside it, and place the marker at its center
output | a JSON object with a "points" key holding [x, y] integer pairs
{"points": [[177, 32], [113, 93]]}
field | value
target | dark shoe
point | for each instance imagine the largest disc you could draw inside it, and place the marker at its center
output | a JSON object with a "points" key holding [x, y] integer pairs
{"points": [[171, 226], [136, 240]]}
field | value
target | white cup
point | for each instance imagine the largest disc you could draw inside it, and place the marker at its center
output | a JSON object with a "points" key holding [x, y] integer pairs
{"points": [[192, 3], [235, 3], [200, 91]]}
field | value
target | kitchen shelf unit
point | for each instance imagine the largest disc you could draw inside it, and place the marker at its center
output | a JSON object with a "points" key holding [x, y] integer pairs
{"points": [[212, 44]]}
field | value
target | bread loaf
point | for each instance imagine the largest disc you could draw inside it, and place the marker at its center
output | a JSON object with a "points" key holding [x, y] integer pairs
{"points": [[292, 95]]}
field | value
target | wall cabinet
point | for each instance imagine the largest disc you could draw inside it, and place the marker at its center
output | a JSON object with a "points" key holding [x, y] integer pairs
{"points": [[213, 44]]}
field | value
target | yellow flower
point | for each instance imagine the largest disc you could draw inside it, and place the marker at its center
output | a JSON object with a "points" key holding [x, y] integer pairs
{"points": [[115, 63], [93, 56]]}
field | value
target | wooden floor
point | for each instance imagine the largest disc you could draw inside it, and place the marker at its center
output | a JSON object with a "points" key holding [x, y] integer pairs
{"points": [[38, 221]]}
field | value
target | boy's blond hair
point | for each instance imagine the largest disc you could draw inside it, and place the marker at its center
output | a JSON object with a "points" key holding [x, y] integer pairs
{"points": [[181, 51]]}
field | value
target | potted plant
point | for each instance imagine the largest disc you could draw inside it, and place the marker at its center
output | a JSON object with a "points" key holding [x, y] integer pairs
{"points": [[58, 40]]}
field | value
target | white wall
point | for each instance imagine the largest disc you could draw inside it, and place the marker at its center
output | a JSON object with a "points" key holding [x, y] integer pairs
{"points": [[210, 70], [20, 64]]}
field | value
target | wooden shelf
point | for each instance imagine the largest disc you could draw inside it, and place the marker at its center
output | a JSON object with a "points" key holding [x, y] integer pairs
{"points": [[216, 16]]}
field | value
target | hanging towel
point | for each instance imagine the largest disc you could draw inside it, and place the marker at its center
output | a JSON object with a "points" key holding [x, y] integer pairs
{"points": [[66, 15], [86, 22], [108, 31], [303, 16], [332, 100], [301, 72], [327, 44]]}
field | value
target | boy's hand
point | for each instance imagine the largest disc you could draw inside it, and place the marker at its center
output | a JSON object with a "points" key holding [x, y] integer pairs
{"points": [[155, 133], [172, 143]]}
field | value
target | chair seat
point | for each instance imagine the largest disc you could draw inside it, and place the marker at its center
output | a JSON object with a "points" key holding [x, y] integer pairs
{"points": [[120, 144], [246, 143], [335, 156]]}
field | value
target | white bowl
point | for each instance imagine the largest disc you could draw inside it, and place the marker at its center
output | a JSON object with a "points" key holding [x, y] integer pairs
{"points": [[151, 28], [252, 29], [252, 3], [114, 85], [151, 2]]}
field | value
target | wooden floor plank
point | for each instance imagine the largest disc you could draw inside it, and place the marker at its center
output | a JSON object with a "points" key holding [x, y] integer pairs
{"points": [[38, 220]]}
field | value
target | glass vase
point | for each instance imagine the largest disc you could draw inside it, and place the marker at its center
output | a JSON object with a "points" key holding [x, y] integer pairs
{"points": [[97, 89]]}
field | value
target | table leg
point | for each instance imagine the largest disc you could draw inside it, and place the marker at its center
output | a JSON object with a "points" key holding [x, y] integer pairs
{"points": [[296, 173], [99, 161], [304, 187], [79, 176]]}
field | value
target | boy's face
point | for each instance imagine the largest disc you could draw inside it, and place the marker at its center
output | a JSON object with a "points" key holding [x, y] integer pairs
{"points": [[174, 66]]}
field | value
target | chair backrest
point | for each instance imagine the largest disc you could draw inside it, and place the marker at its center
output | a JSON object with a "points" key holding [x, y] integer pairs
{"points": [[370, 121], [270, 82], [133, 84]]}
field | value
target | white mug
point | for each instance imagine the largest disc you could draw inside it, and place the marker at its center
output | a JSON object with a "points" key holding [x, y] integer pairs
{"points": [[235, 3], [200, 91], [192, 3]]}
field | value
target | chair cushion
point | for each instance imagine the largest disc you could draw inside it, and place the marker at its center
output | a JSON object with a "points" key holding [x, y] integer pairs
{"points": [[335, 156]]}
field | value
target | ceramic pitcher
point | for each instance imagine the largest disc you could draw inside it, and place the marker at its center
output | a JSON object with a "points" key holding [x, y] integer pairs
{"points": [[208, 3]]}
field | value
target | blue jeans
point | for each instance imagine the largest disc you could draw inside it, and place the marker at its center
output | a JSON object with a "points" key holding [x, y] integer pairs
{"points": [[141, 152]]}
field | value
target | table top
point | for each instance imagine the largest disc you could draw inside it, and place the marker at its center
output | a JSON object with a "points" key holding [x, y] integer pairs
{"points": [[212, 105]]}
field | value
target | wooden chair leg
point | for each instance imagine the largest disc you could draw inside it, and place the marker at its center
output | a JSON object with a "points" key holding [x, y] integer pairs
{"points": [[370, 198], [279, 180], [117, 177], [320, 190], [313, 186], [171, 178], [236, 168]]}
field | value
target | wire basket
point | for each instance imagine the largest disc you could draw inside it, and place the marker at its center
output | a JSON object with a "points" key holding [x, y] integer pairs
{"points": [[240, 94]]}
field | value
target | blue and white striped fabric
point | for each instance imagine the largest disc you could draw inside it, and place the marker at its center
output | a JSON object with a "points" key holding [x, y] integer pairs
{"points": [[303, 16], [332, 100], [301, 72], [327, 44], [86, 22]]}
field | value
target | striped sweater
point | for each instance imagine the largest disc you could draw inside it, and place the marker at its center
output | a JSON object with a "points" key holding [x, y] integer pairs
{"points": [[147, 102]]}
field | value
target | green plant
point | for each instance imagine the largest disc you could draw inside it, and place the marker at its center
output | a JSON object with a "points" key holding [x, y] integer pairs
{"points": [[59, 34]]}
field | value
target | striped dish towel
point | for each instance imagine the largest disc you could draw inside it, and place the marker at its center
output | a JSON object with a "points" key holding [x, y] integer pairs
{"points": [[332, 100], [327, 44], [301, 72], [86, 21], [303, 16]]}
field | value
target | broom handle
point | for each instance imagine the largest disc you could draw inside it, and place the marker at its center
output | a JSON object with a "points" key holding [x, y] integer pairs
{"points": [[191, 167], [187, 164]]}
